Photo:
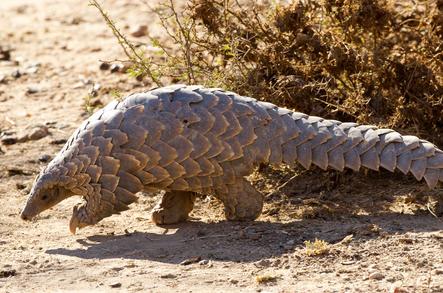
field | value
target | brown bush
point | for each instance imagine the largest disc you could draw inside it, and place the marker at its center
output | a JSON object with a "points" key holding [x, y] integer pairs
{"points": [[377, 62]]}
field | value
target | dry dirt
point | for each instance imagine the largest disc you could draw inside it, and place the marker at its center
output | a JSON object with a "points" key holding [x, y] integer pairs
{"points": [[396, 243]]}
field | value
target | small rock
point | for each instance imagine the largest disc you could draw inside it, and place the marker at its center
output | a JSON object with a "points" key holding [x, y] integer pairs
{"points": [[16, 171], [115, 285], [78, 85], [190, 260], [5, 54], [44, 158], [233, 281], [116, 67], [33, 89], [16, 74], [20, 186], [95, 102], [2, 78], [264, 263], [9, 139], [140, 31], [58, 141], [203, 262], [438, 271], [33, 262], [168, 276], [376, 276], [38, 132], [289, 244], [104, 66], [95, 89], [348, 262], [50, 123], [7, 273], [76, 20], [406, 240], [33, 68], [250, 233]]}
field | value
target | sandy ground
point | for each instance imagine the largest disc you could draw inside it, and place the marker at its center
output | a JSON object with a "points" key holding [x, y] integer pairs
{"points": [[381, 236]]}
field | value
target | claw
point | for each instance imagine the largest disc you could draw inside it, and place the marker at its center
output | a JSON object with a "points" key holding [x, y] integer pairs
{"points": [[73, 224]]}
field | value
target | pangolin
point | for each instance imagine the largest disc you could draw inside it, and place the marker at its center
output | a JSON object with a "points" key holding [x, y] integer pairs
{"points": [[189, 140]]}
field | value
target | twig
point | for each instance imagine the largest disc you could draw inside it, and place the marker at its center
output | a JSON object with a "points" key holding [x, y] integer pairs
{"points": [[279, 188], [432, 212], [206, 237], [126, 45]]}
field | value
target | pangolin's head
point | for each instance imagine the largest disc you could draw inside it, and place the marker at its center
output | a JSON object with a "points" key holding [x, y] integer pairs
{"points": [[50, 188]]}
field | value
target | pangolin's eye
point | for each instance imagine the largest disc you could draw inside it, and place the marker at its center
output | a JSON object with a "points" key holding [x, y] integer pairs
{"points": [[44, 197]]}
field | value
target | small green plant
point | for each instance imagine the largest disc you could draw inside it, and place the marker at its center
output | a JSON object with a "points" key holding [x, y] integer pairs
{"points": [[87, 107], [116, 94]]}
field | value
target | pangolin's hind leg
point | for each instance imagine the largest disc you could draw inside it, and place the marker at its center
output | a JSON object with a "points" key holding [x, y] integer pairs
{"points": [[174, 207], [241, 200]]}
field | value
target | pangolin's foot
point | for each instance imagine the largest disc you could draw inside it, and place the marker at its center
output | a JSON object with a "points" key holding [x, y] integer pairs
{"points": [[174, 207], [242, 201]]}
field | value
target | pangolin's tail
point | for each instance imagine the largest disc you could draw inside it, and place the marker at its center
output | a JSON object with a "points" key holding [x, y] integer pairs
{"points": [[330, 143]]}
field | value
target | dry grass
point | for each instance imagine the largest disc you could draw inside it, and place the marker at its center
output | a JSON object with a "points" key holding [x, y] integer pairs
{"points": [[264, 279], [316, 247]]}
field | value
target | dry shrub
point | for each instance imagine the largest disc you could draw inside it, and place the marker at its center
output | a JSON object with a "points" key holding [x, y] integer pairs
{"points": [[316, 247], [377, 62]]}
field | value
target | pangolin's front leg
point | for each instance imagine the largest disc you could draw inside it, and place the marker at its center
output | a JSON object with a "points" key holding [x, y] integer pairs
{"points": [[241, 200], [174, 207]]}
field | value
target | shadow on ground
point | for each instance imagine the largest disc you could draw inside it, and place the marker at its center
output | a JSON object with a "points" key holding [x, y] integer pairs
{"points": [[242, 242]]}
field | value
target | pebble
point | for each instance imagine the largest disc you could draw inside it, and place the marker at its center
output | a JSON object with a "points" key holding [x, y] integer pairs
{"points": [[7, 273], [438, 271], [250, 233], [140, 31], [20, 186], [9, 140], [264, 263], [94, 90], [115, 285], [58, 141], [190, 260], [34, 133], [376, 276], [16, 74], [104, 66], [289, 244], [95, 102], [76, 20], [33, 89], [33, 68], [168, 276], [116, 67], [44, 158], [203, 262], [13, 171], [38, 132], [2, 78], [5, 54]]}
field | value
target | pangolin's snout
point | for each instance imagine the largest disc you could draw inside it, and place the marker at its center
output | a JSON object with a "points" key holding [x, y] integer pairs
{"points": [[27, 214], [24, 216]]}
